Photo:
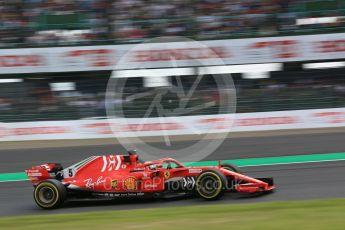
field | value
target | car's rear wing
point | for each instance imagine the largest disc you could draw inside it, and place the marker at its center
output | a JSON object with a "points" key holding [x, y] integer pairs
{"points": [[39, 173]]}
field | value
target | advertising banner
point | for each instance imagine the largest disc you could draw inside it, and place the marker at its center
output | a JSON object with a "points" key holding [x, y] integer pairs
{"points": [[162, 55], [187, 125]]}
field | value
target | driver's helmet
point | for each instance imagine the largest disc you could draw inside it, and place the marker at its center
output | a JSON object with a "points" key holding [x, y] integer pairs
{"points": [[132, 152], [153, 167]]}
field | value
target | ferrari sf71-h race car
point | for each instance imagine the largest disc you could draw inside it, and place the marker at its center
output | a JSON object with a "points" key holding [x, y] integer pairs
{"points": [[117, 176]]}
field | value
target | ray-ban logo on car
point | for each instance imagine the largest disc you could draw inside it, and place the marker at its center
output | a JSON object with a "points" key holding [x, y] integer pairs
{"points": [[89, 183]]}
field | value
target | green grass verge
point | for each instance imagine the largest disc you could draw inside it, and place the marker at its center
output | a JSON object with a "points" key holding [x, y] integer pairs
{"points": [[315, 214]]}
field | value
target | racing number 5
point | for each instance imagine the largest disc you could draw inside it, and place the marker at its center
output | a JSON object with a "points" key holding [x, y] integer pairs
{"points": [[70, 172]]}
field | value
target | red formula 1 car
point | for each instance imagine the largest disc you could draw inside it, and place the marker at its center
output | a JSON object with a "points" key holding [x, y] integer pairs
{"points": [[114, 176]]}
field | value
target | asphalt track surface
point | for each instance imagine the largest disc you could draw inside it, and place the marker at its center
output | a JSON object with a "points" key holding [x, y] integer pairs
{"points": [[294, 182]]}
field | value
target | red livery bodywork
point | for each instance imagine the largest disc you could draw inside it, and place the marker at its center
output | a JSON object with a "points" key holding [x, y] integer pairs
{"points": [[125, 175]]}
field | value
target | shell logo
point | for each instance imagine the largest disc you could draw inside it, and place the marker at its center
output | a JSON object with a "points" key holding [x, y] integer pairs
{"points": [[130, 183]]}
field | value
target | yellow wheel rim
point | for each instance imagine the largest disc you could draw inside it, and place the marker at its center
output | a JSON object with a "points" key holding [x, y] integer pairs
{"points": [[218, 189], [45, 201]]}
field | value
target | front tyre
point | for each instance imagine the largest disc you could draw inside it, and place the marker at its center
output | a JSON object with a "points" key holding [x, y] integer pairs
{"points": [[210, 185], [50, 194]]}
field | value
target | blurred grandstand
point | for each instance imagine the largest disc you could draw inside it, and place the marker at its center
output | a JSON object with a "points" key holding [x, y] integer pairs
{"points": [[81, 94], [36, 99]]}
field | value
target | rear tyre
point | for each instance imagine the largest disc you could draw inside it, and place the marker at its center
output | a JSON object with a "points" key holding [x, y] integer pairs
{"points": [[210, 185], [50, 194], [230, 167]]}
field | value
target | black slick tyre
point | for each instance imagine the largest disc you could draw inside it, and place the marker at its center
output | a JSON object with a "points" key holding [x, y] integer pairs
{"points": [[50, 194], [230, 167], [210, 185]]}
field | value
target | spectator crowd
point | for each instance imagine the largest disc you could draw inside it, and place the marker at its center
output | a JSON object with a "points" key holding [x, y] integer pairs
{"points": [[67, 22], [32, 100]]}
